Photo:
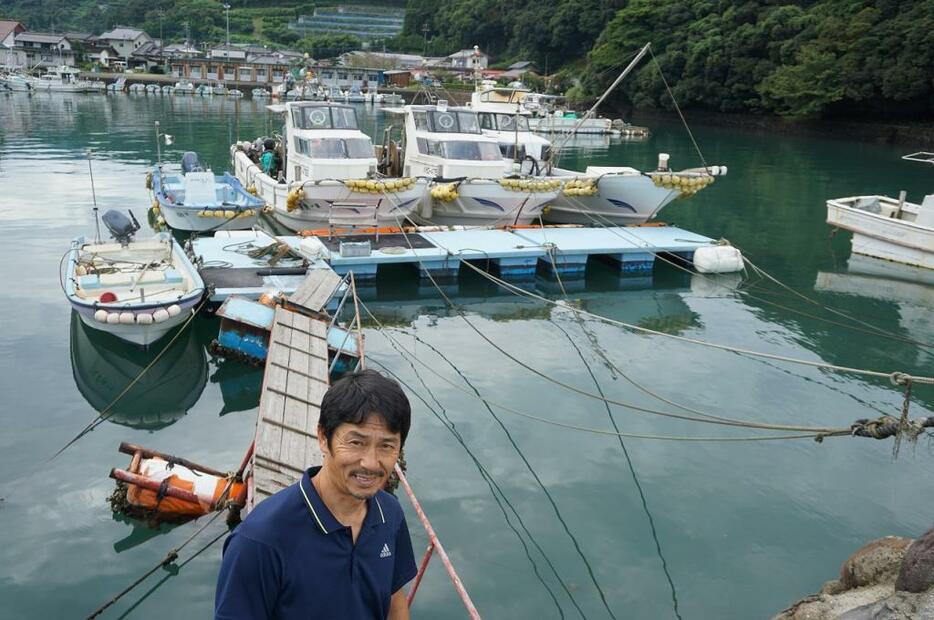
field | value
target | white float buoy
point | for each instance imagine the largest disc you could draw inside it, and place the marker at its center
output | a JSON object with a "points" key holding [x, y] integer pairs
{"points": [[101, 316], [160, 316], [144, 318], [113, 318], [174, 310], [718, 259], [127, 318]]}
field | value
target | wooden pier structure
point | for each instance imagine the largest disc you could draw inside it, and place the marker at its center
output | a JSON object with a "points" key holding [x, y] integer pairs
{"points": [[295, 380]]}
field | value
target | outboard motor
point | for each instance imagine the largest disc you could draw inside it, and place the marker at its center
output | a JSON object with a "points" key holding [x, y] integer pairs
{"points": [[120, 226], [191, 163]]}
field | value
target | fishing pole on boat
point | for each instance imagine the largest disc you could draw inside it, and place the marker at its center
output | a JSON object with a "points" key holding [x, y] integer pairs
{"points": [[97, 220]]}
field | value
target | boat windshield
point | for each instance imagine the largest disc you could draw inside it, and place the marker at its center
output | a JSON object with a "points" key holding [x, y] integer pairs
{"points": [[503, 122], [460, 149], [447, 122], [322, 117], [335, 148]]}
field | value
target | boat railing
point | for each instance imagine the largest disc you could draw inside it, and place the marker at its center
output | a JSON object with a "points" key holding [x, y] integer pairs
{"points": [[354, 327]]}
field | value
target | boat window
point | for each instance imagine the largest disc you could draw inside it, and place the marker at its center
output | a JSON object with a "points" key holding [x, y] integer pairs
{"points": [[344, 118], [445, 122], [486, 121], [421, 120], [468, 122], [422, 145], [508, 122], [510, 151], [475, 151], [359, 148]]}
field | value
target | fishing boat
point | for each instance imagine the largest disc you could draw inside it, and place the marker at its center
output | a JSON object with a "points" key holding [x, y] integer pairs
{"points": [[17, 82], [197, 200], [260, 93], [503, 117], [354, 96], [168, 90], [136, 290], [234, 92], [153, 89], [184, 87], [204, 90], [469, 185], [60, 79], [328, 171], [219, 89], [889, 228], [117, 86], [138, 88], [621, 195]]}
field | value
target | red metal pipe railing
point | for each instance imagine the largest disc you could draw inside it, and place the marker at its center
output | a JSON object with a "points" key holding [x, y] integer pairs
{"points": [[434, 543]]}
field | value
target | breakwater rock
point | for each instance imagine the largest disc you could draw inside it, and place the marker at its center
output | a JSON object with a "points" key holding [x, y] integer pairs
{"points": [[891, 578]]}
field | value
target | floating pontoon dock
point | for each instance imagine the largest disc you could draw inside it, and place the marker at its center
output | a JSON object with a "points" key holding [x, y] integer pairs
{"points": [[512, 253]]}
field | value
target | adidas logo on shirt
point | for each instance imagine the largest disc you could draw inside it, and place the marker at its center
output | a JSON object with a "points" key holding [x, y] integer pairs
{"points": [[385, 553]]}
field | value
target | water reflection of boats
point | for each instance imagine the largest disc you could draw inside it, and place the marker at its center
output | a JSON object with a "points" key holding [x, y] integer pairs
{"points": [[239, 384], [910, 289], [104, 365]]}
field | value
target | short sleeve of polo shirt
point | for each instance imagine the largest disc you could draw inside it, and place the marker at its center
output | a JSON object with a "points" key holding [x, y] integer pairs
{"points": [[404, 570], [249, 581]]}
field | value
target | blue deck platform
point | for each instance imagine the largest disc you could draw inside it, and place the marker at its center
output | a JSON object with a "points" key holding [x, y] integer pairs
{"points": [[517, 253]]}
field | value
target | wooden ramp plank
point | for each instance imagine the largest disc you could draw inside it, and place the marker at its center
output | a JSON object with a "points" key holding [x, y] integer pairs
{"points": [[294, 382], [316, 289]]}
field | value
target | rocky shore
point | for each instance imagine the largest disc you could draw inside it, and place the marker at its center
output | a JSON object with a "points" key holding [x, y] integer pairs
{"points": [[891, 578]]}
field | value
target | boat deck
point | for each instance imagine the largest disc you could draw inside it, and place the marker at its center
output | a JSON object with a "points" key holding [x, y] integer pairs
{"points": [[511, 253]]}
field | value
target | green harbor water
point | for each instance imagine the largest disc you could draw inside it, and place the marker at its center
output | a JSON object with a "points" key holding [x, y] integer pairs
{"points": [[541, 521]]}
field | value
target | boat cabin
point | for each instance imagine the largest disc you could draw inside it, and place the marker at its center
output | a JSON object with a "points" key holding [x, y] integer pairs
{"points": [[448, 142], [503, 116], [323, 141]]}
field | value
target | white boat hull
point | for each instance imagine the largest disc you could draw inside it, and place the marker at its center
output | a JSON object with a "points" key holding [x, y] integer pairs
{"points": [[314, 211], [627, 198], [484, 202], [143, 335], [561, 124], [881, 234], [185, 218]]}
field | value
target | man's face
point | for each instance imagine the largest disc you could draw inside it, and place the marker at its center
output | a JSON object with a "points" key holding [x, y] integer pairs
{"points": [[361, 456]]}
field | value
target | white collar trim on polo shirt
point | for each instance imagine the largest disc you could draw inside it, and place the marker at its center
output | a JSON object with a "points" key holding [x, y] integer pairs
{"points": [[310, 507], [301, 487]]}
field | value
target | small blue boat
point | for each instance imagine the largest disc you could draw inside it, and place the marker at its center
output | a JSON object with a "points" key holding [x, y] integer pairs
{"points": [[198, 200]]}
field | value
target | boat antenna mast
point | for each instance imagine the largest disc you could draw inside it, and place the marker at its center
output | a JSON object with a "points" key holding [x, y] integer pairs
{"points": [[97, 219], [168, 142], [606, 93]]}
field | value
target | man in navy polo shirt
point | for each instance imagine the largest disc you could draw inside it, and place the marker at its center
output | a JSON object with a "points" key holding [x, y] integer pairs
{"points": [[334, 545]]}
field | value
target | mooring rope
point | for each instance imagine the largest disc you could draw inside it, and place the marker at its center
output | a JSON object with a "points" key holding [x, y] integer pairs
{"points": [[531, 470], [170, 557], [494, 488], [618, 231], [896, 377]]}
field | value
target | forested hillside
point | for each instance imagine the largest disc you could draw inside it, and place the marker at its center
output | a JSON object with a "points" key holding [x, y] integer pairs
{"points": [[811, 58], [853, 58]]}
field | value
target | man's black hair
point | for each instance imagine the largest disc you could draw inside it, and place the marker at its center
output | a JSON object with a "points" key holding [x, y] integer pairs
{"points": [[358, 395]]}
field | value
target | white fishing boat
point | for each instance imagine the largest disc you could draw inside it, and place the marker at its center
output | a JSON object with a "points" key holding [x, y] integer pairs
{"points": [[135, 290], [468, 171], [219, 89], [117, 86], [354, 96], [260, 93], [550, 114], [234, 92], [195, 199], [326, 171], [620, 195], [204, 90], [17, 82], [153, 89], [889, 228], [184, 87], [60, 79], [503, 117], [168, 90], [138, 88]]}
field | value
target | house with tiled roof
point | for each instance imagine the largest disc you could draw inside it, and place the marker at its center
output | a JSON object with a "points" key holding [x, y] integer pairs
{"points": [[42, 49], [8, 31], [125, 40]]}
